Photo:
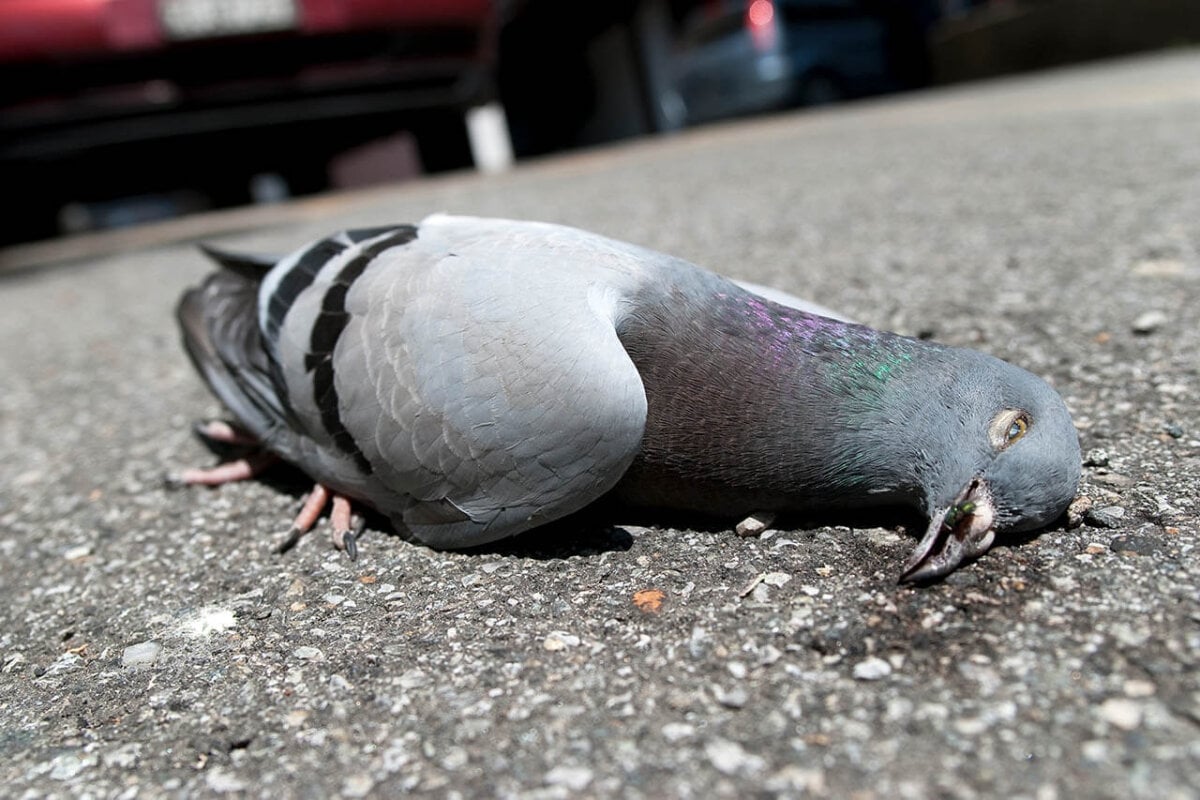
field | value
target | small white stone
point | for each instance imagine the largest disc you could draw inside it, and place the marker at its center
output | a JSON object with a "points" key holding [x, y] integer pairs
{"points": [[755, 524], [737, 697], [308, 653], [761, 594], [69, 765], [223, 781], [124, 757], [1149, 321], [899, 708], [455, 758], [1159, 268], [77, 552], [776, 579], [357, 785], [1121, 713], [575, 778], [559, 640], [67, 662], [970, 726], [142, 654], [793, 778], [872, 669], [413, 678], [675, 732], [208, 620], [1095, 750], [731, 758], [1139, 688], [769, 655]]}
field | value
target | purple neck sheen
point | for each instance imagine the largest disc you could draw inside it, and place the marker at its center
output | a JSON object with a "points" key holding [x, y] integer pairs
{"points": [[845, 349]]}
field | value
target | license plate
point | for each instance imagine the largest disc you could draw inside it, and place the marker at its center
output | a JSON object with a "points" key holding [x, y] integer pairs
{"points": [[198, 19]]}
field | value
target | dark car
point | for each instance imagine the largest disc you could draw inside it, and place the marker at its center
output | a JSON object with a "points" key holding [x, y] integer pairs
{"points": [[112, 98], [744, 56]]}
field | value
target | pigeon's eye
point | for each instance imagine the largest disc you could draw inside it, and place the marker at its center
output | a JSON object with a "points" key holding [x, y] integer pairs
{"points": [[1007, 427]]}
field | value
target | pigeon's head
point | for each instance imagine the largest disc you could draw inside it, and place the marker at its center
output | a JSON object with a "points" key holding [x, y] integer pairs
{"points": [[1008, 461]]}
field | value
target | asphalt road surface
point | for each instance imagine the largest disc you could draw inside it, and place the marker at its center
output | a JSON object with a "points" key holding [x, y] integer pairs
{"points": [[152, 643]]}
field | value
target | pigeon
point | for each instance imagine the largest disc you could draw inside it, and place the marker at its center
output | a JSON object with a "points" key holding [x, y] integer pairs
{"points": [[471, 379]]}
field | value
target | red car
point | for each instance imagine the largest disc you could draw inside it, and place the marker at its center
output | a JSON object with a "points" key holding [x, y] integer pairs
{"points": [[106, 98]]}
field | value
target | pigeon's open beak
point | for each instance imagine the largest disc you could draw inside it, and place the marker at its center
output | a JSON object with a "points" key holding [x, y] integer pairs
{"points": [[957, 533]]}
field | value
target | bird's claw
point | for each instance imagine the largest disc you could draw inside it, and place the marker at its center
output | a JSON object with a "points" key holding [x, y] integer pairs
{"points": [[348, 542], [290, 540], [345, 533]]}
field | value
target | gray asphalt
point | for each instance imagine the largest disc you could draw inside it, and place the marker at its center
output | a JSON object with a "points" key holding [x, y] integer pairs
{"points": [[152, 644]]}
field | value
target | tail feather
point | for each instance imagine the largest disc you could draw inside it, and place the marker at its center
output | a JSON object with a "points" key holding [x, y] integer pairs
{"points": [[221, 335], [251, 266]]}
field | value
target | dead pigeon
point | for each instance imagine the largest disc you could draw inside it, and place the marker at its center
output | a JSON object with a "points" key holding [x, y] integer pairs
{"points": [[474, 378]]}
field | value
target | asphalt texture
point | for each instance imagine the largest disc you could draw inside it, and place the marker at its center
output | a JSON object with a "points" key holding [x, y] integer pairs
{"points": [[153, 644]]}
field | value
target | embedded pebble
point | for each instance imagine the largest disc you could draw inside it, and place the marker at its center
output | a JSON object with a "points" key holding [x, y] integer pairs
{"points": [[872, 669], [675, 732], [1159, 268], [1137, 543], [731, 758], [67, 662], [755, 524], [206, 621], [776, 579], [575, 778], [1104, 517], [1149, 322], [1112, 479], [1121, 713], [308, 653], [222, 781], [1096, 457], [77, 552], [737, 697], [142, 654], [970, 726], [559, 640], [69, 765], [1077, 511], [124, 757], [357, 785], [1095, 750]]}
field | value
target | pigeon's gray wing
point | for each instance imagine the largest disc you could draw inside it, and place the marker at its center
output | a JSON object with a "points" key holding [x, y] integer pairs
{"points": [[467, 381], [790, 300]]}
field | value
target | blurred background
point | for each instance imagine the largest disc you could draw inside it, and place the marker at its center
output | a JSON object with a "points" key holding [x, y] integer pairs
{"points": [[118, 112]]}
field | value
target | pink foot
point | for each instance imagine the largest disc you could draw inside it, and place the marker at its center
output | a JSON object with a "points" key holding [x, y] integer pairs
{"points": [[340, 520], [225, 437], [239, 470]]}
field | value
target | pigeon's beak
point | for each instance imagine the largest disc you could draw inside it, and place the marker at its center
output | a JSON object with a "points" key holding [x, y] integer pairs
{"points": [[958, 533]]}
